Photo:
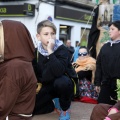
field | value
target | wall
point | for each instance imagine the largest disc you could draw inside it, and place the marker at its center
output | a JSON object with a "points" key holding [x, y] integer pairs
{"points": [[30, 22]]}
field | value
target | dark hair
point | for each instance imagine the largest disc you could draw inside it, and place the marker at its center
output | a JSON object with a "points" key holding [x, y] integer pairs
{"points": [[84, 48], [45, 23], [116, 24]]}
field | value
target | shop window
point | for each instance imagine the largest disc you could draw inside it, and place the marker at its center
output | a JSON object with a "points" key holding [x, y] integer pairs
{"points": [[65, 33]]}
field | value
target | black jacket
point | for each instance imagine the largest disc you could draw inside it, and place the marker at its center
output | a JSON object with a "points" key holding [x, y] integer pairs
{"points": [[71, 51], [48, 68], [85, 74], [108, 64]]}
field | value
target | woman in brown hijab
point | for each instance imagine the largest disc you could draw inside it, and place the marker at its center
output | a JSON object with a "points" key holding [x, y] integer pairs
{"points": [[17, 79]]}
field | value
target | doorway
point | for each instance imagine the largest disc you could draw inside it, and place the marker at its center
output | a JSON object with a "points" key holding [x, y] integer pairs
{"points": [[65, 33]]}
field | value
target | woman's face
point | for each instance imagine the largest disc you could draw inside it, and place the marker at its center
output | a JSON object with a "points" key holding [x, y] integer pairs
{"points": [[82, 53]]}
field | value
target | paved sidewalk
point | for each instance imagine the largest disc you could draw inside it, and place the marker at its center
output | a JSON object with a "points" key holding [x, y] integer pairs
{"points": [[79, 111]]}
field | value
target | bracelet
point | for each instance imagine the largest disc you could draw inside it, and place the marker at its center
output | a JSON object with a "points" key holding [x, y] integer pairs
{"points": [[114, 109], [107, 118]]}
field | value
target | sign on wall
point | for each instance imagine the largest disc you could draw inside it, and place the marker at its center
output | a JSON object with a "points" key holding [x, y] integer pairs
{"points": [[110, 1], [17, 10], [72, 15]]}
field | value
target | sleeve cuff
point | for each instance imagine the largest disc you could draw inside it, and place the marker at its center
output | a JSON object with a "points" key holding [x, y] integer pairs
{"points": [[107, 118], [114, 109]]}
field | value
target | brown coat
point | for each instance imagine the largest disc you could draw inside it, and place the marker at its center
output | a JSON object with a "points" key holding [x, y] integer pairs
{"points": [[17, 79], [100, 111]]}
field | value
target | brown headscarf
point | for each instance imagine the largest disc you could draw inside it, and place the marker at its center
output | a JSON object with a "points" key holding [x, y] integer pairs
{"points": [[87, 63], [17, 41], [17, 78]]}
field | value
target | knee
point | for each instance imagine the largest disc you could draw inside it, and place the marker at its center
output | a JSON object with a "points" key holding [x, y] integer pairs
{"points": [[62, 82], [99, 111]]}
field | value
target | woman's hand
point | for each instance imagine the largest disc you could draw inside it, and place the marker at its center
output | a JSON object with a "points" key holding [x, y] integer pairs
{"points": [[75, 65], [97, 88]]}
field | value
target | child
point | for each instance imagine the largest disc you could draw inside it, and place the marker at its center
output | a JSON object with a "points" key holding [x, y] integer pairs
{"points": [[108, 67], [52, 72]]}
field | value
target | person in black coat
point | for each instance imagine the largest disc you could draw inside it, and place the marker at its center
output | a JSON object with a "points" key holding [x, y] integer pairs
{"points": [[53, 71], [71, 50], [107, 76]]}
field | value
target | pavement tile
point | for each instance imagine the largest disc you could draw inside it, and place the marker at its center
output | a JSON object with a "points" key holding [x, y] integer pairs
{"points": [[79, 111]]}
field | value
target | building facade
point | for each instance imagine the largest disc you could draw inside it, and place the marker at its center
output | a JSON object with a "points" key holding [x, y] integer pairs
{"points": [[72, 18]]}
